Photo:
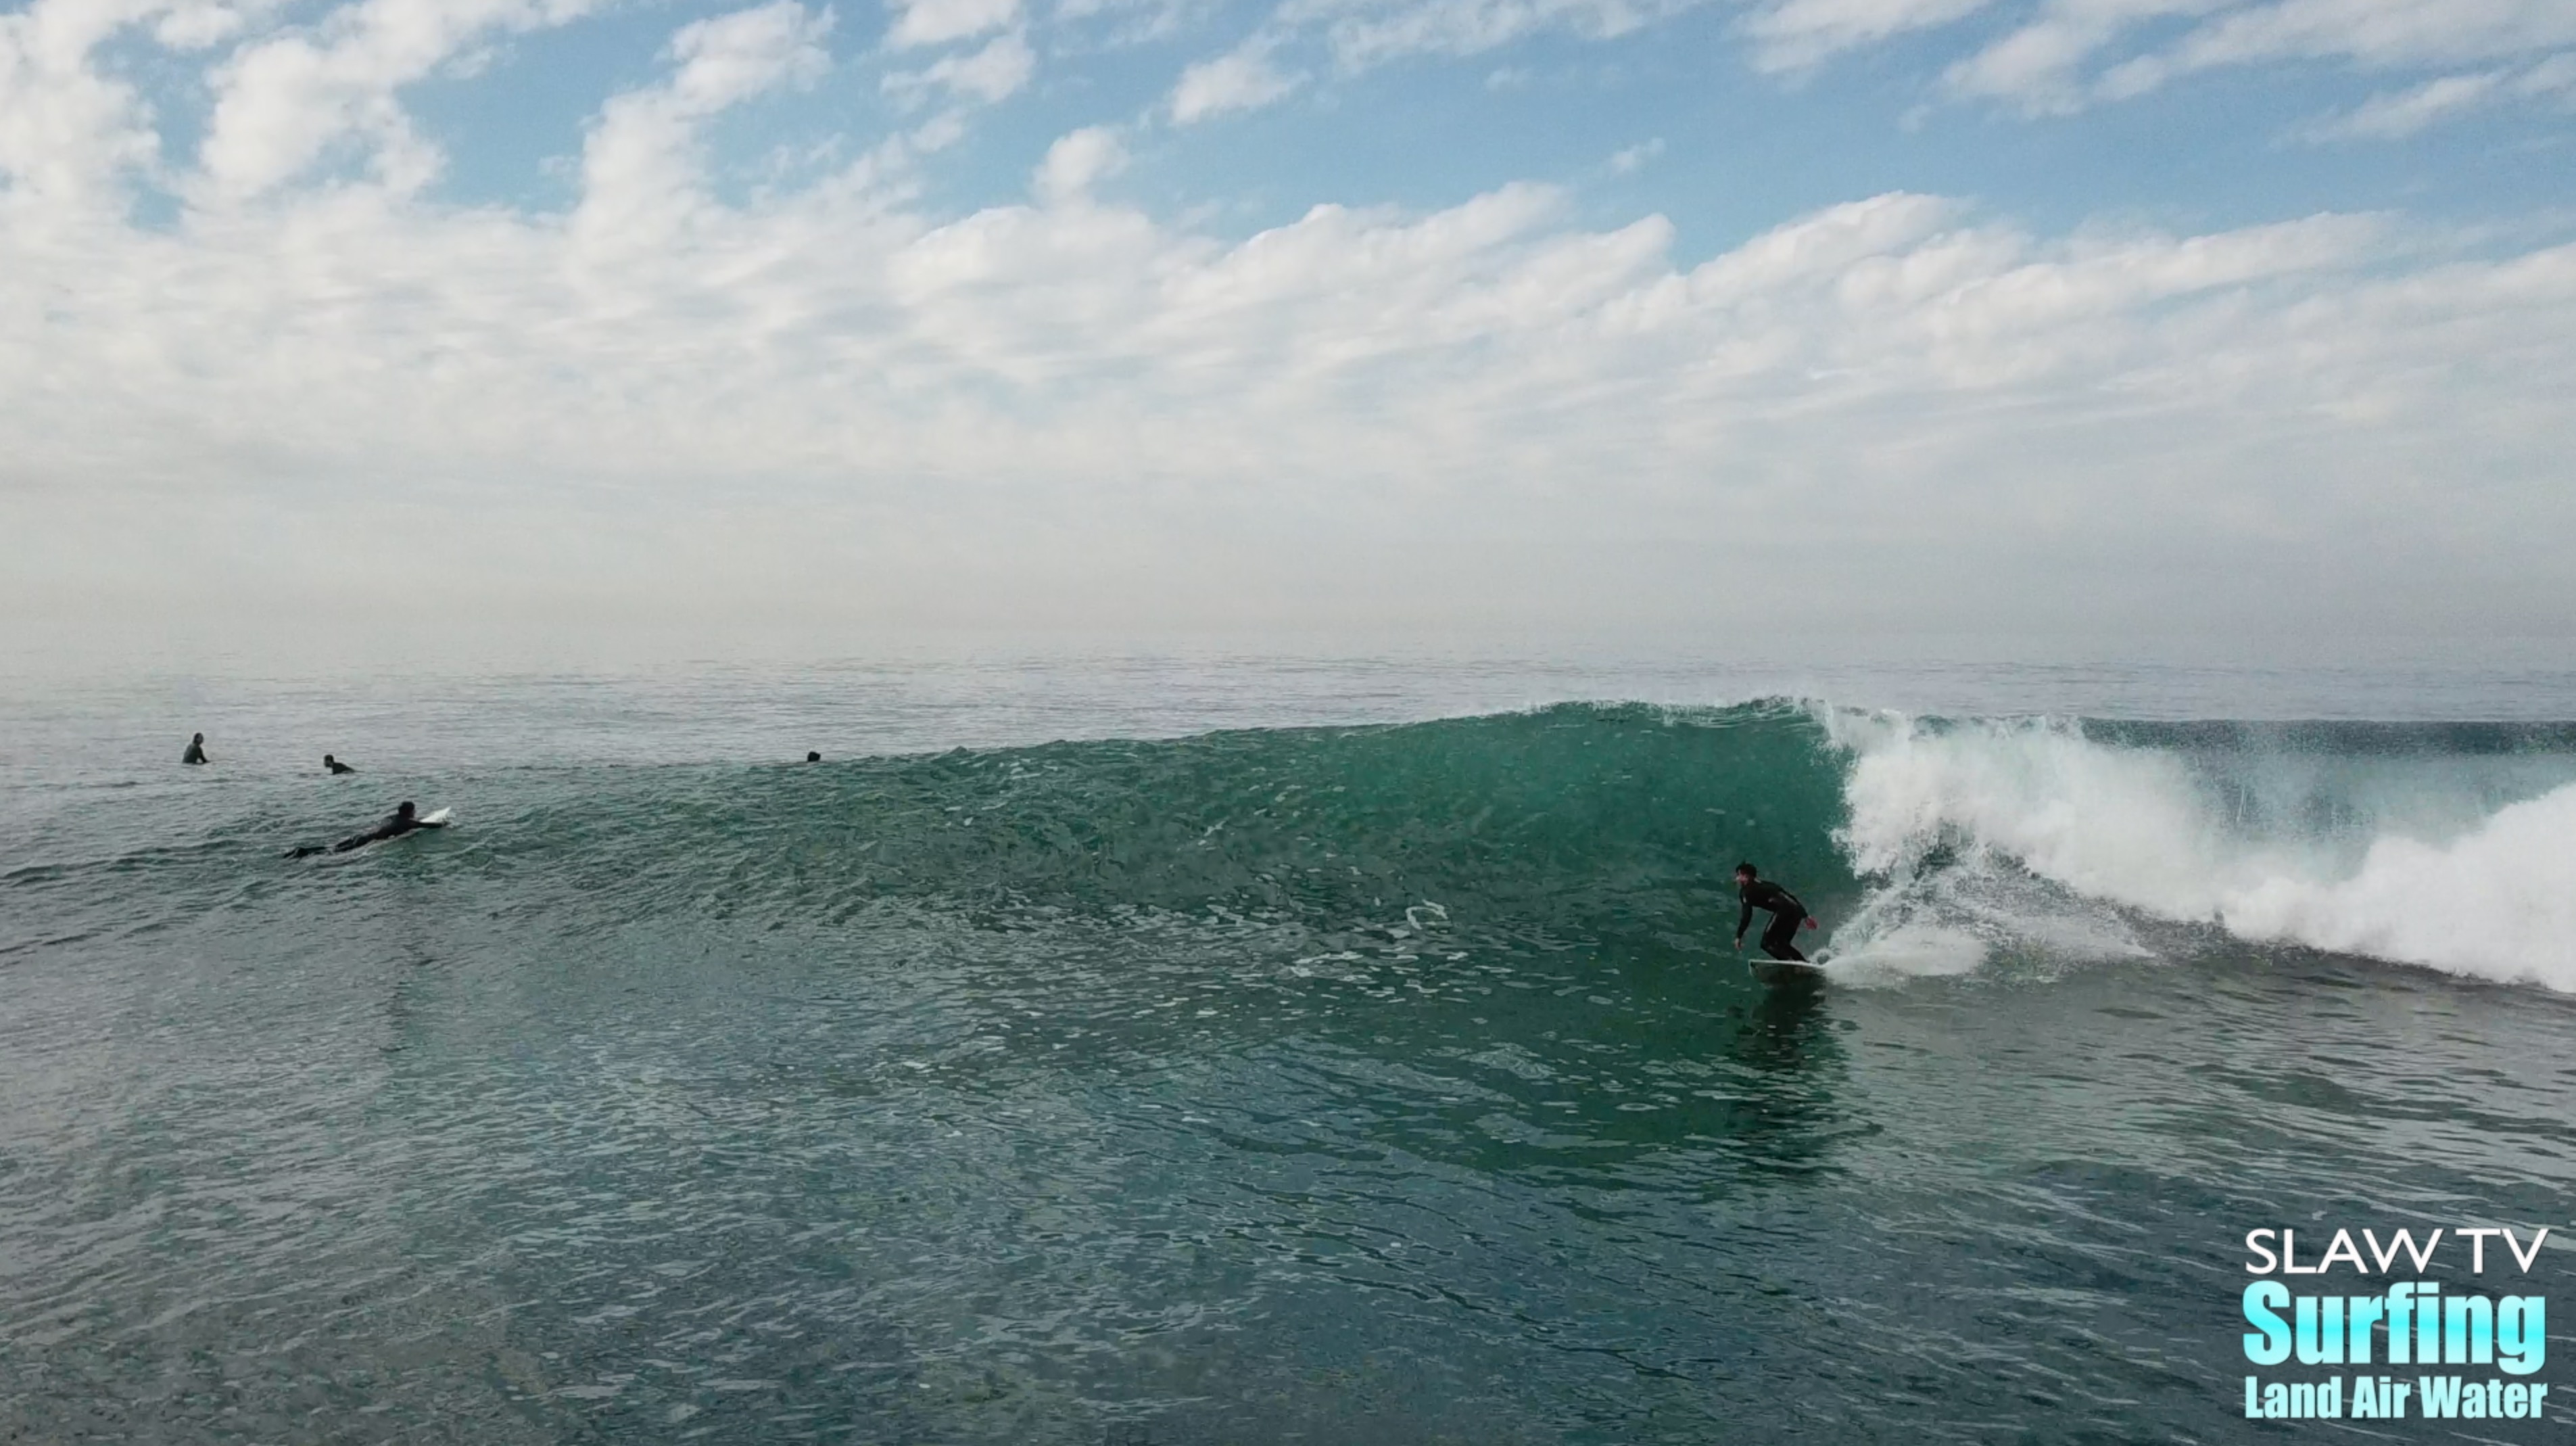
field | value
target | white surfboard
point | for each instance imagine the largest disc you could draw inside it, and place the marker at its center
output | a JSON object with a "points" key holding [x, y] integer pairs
{"points": [[1786, 971]]}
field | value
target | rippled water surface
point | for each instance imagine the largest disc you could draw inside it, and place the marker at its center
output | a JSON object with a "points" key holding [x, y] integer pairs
{"points": [[1329, 1084]]}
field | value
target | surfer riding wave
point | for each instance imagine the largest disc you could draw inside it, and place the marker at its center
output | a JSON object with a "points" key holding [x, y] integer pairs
{"points": [[1780, 939]]}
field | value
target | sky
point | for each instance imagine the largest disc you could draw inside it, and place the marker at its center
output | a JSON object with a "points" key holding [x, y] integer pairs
{"points": [[2129, 320]]}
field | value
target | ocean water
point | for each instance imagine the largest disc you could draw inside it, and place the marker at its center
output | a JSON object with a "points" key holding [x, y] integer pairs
{"points": [[1183, 1050]]}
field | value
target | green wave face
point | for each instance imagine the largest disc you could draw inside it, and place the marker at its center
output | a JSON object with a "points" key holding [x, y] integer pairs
{"points": [[1573, 820], [1927, 846]]}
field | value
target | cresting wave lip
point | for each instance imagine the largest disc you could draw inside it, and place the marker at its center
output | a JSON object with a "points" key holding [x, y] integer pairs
{"points": [[2447, 846]]}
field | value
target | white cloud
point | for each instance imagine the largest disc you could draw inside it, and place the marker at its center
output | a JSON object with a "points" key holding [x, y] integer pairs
{"points": [[831, 402], [937, 22], [2373, 34], [731, 58], [2554, 77], [2059, 56], [282, 103], [1634, 158], [2392, 116], [2041, 57], [67, 130], [2379, 33], [197, 24], [1888, 372], [1243, 79], [2041, 65], [2395, 115], [640, 163], [1791, 34], [1363, 34], [1076, 161], [995, 73], [939, 132]]}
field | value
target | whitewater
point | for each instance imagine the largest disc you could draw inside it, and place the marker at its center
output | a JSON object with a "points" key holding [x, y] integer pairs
{"points": [[1181, 1051], [2443, 845]]}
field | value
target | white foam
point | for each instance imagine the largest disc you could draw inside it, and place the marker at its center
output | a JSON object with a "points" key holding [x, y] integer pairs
{"points": [[1913, 950], [2500, 902], [1983, 833]]}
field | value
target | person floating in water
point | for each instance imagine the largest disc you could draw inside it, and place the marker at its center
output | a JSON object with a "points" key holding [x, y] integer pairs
{"points": [[404, 820], [813, 757], [335, 765], [1780, 940], [196, 750]]}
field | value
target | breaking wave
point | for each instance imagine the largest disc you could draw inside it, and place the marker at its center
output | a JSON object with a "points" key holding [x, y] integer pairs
{"points": [[2450, 846], [1929, 846]]}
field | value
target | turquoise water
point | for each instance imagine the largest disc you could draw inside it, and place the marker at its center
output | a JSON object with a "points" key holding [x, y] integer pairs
{"points": [[1141, 1052]]}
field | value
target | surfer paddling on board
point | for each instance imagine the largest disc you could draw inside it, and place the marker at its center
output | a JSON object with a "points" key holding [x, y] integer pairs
{"points": [[405, 820], [1780, 940]]}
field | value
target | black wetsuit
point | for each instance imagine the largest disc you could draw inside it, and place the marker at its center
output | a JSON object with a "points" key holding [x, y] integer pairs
{"points": [[393, 827], [196, 754], [337, 767], [1780, 940]]}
